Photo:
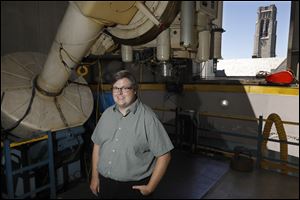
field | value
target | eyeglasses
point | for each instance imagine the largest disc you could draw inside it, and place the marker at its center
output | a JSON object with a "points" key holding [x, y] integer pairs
{"points": [[122, 89]]}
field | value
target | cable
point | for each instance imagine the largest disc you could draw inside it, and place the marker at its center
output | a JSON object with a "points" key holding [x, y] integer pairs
{"points": [[101, 82], [84, 84], [62, 60], [79, 63], [27, 110], [2, 97], [80, 102], [97, 104]]}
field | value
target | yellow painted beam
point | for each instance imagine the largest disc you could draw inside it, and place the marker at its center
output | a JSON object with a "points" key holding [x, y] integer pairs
{"points": [[257, 89], [242, 89], [26, 141], [157, 87]]}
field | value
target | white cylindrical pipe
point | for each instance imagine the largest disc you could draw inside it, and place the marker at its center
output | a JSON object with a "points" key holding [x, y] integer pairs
{"points": [[218, 34], [163, 46], [75, 35], [196, 68], [204, 46], [126, 52], [217, 45], [187, 23], [166, 69]]}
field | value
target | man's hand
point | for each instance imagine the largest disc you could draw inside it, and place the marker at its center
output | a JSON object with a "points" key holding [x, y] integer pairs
{"points": [[95, 182], [144, 189], [94, 186]]}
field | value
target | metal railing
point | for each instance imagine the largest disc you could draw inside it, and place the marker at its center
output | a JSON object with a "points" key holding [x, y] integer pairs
{"points": [[10, 173], [261, 160]]}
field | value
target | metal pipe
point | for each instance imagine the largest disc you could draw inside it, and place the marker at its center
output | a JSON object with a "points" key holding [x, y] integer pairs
{"points": [[204, 46], [259, 142], [163, 45], [51, 167], [8, 170], [187, 23], [166, 69], [218, 34], [126, 52]]}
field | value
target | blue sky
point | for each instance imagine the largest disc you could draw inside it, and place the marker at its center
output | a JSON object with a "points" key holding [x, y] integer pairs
{"points": [[239, 19]]}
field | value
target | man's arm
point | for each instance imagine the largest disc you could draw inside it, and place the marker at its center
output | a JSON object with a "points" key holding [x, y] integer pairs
{"points": [[158, 172], [95, 183]]}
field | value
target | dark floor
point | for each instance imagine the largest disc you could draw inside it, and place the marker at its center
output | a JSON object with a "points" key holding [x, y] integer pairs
{"points": [[258, 184]]}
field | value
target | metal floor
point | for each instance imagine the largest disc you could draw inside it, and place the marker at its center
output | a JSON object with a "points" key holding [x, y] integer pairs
{"points": [[258, 184]]}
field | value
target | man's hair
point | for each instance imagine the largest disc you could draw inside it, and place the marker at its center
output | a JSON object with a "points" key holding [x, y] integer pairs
{"points": [[125, 74]]}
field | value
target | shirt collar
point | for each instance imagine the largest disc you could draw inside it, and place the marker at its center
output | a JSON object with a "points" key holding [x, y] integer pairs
{"points": [[131, 108]]}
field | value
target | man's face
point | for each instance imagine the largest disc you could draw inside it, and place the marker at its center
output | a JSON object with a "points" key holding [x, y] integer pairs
{"points": [[123, 93]]}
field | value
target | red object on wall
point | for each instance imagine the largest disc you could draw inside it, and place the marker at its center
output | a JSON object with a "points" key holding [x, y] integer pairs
{"points": [[282, 77]]}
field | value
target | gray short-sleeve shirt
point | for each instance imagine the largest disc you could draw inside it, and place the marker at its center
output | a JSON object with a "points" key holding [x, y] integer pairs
{"points": [[130, 143]]}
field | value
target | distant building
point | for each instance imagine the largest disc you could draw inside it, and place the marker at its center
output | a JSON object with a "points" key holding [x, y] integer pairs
{"points": [[265, 33]]}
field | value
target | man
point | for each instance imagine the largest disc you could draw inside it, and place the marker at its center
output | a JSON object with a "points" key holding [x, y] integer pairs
{"points": [[131, 147]]}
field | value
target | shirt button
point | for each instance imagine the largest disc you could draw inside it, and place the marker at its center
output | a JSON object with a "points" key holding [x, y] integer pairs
{"points": [[119, 128], [109, 162], [117, 139], [108, 172], [113, 150]]}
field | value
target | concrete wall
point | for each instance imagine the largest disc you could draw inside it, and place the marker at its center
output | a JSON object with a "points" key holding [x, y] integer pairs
{"points": [[245, 104]]}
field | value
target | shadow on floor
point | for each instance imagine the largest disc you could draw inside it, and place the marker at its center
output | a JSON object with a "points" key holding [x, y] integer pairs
{"points": [[190, 176]]}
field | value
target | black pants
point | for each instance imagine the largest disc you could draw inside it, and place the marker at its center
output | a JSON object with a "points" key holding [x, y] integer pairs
{"points": [[111, 189]]}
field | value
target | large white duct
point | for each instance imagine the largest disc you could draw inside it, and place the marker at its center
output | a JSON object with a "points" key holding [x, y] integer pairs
{"points": [[35, 92], [18, 72], [54, 105], [74, 38]]}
